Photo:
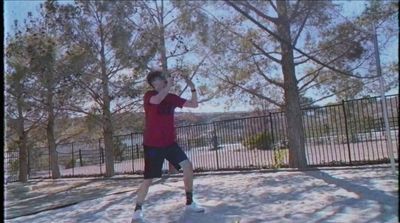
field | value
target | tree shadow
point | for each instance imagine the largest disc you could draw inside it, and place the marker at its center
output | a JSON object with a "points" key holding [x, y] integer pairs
{"points": [[388, 203], [75, 194]]}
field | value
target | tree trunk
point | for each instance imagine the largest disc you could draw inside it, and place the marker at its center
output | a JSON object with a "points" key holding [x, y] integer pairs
{"points": [[108, 142], [55, 171], [23, 150], [293, 113], [106, 118], [164, 61]]}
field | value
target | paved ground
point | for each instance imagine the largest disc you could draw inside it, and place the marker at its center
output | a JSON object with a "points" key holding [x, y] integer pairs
{"points": [[356, 194]]}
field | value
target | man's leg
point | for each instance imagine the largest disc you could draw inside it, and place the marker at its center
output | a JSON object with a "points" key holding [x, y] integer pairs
{"points": [[153, 161], [142, 192], [187, 168], [178, 158], [188, 180]]}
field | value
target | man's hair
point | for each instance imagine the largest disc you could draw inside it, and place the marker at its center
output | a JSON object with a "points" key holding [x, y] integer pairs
{"points": [[153, 75]]}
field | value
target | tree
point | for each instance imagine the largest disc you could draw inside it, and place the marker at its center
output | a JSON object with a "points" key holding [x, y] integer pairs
{"points": [[269, 45], [35, 82], [181, 29], [110, 39], [18, 106], [351, 42]]}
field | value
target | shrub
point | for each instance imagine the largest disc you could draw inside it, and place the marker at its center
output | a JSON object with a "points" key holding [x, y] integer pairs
{"points": [[279, 155], [118, 150], [70, 164], [262, 141]]}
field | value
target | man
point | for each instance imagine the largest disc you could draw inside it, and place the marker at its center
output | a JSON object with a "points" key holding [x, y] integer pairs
{"points": [[160, 138]]}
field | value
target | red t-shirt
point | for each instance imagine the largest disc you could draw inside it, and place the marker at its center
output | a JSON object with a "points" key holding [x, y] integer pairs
{"points": [[160, 128]]}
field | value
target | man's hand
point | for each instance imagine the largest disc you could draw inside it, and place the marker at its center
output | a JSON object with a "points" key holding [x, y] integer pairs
{"points": [[189, 82], [192, 103]]}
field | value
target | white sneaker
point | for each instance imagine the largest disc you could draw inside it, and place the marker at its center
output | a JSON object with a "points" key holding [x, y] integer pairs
{"points": [[194, 208], [137, 215]]}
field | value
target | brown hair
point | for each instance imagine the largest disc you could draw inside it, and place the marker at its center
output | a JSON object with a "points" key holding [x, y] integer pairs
{"points": [[153, 75]]}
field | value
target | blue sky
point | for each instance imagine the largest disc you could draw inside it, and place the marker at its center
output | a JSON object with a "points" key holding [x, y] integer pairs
{"points": [[18, 9]]}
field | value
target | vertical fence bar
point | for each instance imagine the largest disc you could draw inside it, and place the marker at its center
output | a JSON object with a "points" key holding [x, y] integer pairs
{"points": [[338, 132], [311, 135], [73, 159], [49, 162], [347, 130], [133, 158], [215, 144], [333, 133], [29, 169], [100, 153]]}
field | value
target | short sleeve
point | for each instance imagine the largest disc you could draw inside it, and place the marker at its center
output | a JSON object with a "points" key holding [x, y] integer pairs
{"points": [[147, 97], [177, 101]]}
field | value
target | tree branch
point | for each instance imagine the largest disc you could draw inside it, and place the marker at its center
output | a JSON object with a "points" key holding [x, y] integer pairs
{"points": [[273, 6], [295, 11], [258, 12], [301, 28], [278, 84], [293, 47], [126, 105], [249, 91], [254, 44]]}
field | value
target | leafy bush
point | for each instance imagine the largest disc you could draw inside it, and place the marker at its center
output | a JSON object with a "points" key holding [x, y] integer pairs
{"points": [[14, 166], [262, 141], [279, 155], [70, 164], [118, 150]]}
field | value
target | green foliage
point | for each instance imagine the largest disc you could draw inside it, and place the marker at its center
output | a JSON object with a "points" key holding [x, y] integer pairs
{"points": [[262, 141], [198, 142], [279, 156], [14, 166], [118, 149], [70, 164]]}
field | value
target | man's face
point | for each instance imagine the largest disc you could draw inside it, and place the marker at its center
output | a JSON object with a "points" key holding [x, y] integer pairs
{"points": [[159, 83]]}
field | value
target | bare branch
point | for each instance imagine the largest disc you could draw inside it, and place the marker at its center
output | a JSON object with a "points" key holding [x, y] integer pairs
{"points": [[312, 79], [249, 91], [265, 53], [194, 73], [276, 36], [77, 109], [295, 11], [278, 84], [252, 42], [273, 5], [170, 22], [301, 28], [258, 12], [35, 123], [125, 106]]}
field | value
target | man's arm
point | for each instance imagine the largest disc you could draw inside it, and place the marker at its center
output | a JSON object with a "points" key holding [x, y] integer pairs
{"points": [[158, 98], [192, 103]]}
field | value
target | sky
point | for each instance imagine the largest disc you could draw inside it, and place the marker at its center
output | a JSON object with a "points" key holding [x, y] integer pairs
{"points": [[18, 10]]}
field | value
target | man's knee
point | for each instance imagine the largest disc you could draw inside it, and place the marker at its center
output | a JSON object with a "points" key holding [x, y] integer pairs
{"points": [[186, 165]]}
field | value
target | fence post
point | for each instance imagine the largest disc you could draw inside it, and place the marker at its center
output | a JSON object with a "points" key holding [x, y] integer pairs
{"points": [[133, 158], [347, 130], [80, 158], [100, 157], [48, 147], [29, 168], [272, 129], [215, 144], [73, 159]]}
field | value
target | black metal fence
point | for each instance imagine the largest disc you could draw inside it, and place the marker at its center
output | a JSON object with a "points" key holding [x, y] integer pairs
{"points": [[350, 133]]}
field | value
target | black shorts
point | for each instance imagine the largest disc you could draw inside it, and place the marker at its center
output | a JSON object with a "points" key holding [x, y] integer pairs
{"points": [[154, 159]]}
